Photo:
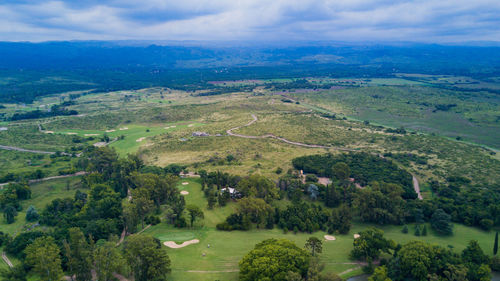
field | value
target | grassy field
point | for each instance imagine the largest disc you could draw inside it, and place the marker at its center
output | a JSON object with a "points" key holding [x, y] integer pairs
{"points": [[474, 116]]}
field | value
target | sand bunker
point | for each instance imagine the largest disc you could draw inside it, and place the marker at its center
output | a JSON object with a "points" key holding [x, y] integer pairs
{"points": [[91, 135], [190, 125], [48, 132], [124, 128], [185, 183], [330, 238], [71, 133], [356, 236], [140, 139], [184, 192], [172, 244], [110, 131]]}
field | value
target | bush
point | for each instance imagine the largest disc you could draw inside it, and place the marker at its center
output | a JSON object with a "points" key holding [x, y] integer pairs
{"points": [[32, 214], [495, 263], [405, 229], [486, 224], [180, 222], [152, 220]]}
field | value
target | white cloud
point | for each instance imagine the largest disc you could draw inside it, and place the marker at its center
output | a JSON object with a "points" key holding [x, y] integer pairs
{"points": [[343, 20]]}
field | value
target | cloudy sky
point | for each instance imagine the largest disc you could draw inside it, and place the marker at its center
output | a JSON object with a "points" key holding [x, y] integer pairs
{"points": [[251, 20]]}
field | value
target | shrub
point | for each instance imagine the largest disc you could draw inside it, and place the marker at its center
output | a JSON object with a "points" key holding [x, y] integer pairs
{"points": [[32, 214], [405, 229]]}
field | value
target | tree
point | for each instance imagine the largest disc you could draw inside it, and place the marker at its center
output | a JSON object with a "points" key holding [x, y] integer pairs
{"points": [[141, 202], [380, 203], [424, 230], [314, 269], [254, 208], [43, 255], [194, 213], [273, 259], [32, 214], [211, 199], [417, 230], [340, 219], [370, 244], [107, 260], [10, 213], [495, 245], [258, 186], [441, 222], [314, 245], [78, 253], [474, 254], [341, 171], [147, 260], [380, 274]]}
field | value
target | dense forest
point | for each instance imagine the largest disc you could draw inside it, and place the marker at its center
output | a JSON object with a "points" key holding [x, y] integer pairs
{"points": [[109, 66]]}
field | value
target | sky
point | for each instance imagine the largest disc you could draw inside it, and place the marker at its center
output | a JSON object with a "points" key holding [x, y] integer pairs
{"points": [[427, 21]]}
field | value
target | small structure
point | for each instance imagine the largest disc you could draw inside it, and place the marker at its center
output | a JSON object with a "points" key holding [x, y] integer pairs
{"points": [[233, 193], [200, 134]]}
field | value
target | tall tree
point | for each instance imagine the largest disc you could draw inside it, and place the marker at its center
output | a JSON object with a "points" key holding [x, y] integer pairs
{"points": [[142, 203], [441, 222], [78, 252], [314, 245], [147, 260], [43, 255], [107, 260], [10, 213], [194, 213]]}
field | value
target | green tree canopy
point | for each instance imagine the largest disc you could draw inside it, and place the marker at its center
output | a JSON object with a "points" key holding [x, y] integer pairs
{"points": [[370, 244], [146, 258], [441, 222], [274, 259], [43, 256]]}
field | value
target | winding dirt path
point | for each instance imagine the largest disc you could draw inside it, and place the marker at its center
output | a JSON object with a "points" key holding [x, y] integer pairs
{"points": [[230, 132], [6, 147], [6, 260], [416, 185], [81, 173]]}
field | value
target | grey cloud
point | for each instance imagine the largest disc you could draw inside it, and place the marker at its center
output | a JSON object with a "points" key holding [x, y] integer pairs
{"points": [[343, 20]]}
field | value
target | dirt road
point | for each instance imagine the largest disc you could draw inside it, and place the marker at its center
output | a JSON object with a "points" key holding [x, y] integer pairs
{"points": [[6, 260], [230, 132], [416, 186], [6, 147], [81, 173]]}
